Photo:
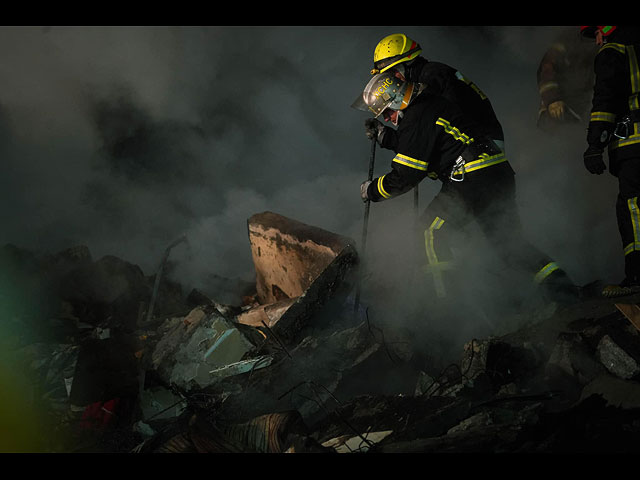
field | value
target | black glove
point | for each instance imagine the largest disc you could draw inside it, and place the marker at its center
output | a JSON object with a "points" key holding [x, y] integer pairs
{"points": [[593, 160], [364, 190], [374, 129]]}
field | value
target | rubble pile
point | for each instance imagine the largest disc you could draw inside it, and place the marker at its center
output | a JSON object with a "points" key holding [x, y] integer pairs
{"points": [[292, 368]]}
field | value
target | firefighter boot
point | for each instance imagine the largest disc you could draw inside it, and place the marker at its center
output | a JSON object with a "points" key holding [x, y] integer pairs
{"points": [[631, 282]]}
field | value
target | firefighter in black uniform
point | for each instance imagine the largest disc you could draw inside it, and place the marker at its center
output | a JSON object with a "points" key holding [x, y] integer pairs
{"points": [[403, 54], [436, 139], [615, 124]]}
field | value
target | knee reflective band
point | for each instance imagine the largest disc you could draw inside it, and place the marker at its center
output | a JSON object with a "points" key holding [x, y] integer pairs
{"points": [[435, 267], [545, 271], [634, 213]]}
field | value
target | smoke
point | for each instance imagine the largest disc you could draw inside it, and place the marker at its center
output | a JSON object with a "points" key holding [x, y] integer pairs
{"points": [[125, 138]]}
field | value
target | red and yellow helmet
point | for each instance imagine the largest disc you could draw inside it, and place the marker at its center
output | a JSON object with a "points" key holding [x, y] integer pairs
{"points": [[590, 30], [392, 50]]}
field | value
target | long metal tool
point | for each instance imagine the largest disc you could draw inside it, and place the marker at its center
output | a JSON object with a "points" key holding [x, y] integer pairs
{"points": [[156, 284], [365, 225]]}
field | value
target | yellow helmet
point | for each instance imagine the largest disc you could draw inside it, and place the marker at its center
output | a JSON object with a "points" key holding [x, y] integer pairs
{"points": [[392, 50]]}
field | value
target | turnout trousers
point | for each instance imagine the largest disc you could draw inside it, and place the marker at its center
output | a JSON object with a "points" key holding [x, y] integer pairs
{"points": [[487, 196], [628, 215]]}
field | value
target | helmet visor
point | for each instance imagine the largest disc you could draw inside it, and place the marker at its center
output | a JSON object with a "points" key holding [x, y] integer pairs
{"points": [[381, 91]]}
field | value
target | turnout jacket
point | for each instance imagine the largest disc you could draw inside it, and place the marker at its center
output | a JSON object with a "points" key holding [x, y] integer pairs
{"points": [[431, 136], [444, 80], [565, 73], [615, 96]]}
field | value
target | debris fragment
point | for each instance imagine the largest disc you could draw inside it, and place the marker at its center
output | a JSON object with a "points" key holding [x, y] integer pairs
{"points": [[616, 359], [632, 312], [298, 269]]}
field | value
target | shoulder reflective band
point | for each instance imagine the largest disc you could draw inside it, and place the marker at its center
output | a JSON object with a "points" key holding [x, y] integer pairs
{"points": [[545, 271], [454, 131], [603, 117], [472, 85], [548, 86], [616, 46], [381, 189], [634, 213], [410, 162]]}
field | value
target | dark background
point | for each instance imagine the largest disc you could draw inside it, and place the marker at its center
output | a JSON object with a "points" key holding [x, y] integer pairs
{"points": [[124, 138]]}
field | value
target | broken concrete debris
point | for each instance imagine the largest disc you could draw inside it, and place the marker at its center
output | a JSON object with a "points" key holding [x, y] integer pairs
{"points": [[298, 269], [288, 368], [202, 343], [616, 359]]}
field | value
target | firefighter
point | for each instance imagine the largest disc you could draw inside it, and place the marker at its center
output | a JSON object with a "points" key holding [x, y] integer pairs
{"points": [[615, 124], [565, 81], [436, 139], [403, 54]]}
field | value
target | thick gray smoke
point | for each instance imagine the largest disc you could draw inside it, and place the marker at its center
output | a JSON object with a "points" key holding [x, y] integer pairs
{"points": [[125, 138]]}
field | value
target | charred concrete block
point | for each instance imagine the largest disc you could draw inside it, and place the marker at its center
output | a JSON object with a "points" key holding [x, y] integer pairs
{"points": [[298, 269], [289, 255], [616, 359], [561, 354]]}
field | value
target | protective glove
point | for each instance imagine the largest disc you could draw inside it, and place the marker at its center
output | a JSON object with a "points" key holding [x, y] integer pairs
{"points": [[593, 160], [363, 190], [556, 110], [374, 129]]}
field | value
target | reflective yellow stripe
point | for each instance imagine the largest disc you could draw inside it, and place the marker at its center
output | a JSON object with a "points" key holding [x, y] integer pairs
{"points": [[631, 140], [548, 86], [545, 271], [472, 85], [454, 131], [632, 247], [435, 267], [410, 162], [616, 46], [603, 117], [428, 239], [634, 213], [484, 161], [381, 189], [635, 78]]}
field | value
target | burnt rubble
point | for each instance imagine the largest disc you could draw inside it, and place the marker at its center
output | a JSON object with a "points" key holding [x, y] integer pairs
{"points": [[291, 368]]}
